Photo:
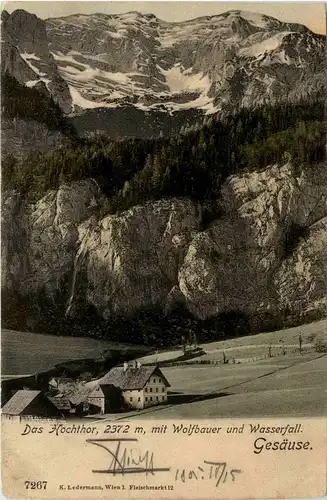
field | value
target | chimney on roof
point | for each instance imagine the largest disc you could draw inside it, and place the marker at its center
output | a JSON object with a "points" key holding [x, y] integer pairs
{"points": [[138, 364], [125, 366]]}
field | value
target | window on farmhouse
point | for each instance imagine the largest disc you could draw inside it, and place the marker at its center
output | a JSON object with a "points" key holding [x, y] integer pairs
{"points": [[154, 380], [139, 399], [157, 389], [157, 398], [131, 399], [151, 398], [163, 389], [150, 389], [146, 399], [146, 389]]}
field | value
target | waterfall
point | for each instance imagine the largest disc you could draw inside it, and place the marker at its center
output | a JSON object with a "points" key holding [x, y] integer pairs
{"points": [[72, 291]]}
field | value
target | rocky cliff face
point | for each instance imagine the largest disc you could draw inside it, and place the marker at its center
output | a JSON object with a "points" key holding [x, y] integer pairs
{"points": [[239, 58], [266, 254], [25, 55]]}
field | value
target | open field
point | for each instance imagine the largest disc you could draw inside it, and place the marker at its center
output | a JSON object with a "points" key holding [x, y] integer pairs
{"points": [[251, 345], [290, 385], [287, 386], [25, 353]]}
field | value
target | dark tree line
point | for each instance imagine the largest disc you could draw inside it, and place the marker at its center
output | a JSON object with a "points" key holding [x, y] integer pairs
{"points": [[192, 165], [19, 101], [148, 326]]}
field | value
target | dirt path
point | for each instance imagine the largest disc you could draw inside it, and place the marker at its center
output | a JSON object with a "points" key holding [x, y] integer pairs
{"points": [[256, 346]]}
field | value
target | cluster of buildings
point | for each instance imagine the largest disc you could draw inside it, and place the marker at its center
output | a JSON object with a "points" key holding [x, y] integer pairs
{"points": [[127, 387]]}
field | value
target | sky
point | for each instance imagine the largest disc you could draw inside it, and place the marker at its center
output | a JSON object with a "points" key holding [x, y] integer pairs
{"points": [[312, 14]]}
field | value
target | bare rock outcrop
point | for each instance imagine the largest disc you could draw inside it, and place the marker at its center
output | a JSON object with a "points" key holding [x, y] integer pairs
{"points": [[26, 55], [132, 259], [301, 280], [266, 254], [39, 241], [234, 265]]}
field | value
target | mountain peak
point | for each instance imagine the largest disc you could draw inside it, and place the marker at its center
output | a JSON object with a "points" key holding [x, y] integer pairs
{"points": [[4, 15], [207, 64]]}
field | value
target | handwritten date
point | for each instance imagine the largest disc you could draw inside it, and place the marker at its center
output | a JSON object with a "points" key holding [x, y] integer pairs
{"points": [[220, 472]]}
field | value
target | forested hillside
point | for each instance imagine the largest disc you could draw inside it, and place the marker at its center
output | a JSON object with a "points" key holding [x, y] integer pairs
{"points": [[193, 164], [19, 101]]}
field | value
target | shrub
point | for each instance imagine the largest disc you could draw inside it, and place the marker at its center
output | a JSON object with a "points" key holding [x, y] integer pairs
{"points": [[320, 345]]}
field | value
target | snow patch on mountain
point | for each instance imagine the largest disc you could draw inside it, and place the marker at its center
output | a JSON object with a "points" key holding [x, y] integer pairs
{"points": [[230, 60], [178, 79], [25, 56], [254, 18], [267, 45], [81, 102], [32, 57], [32, 83]]}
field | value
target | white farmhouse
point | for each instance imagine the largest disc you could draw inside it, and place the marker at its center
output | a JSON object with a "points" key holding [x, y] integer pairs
{"points": [[141, 386]]}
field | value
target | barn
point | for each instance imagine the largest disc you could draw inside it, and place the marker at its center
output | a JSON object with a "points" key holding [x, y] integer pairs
{"points": [[25, 403], [105, 398], [61, 403]]}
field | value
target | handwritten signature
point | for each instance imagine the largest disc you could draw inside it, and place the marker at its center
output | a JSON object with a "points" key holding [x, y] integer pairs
{"points": [[126, 459]]}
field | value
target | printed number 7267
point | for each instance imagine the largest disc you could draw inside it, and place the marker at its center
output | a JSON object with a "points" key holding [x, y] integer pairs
{"points": [[36, 485]]}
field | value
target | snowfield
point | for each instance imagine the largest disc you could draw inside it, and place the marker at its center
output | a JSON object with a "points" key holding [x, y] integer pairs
{"points": [[197, 64]]}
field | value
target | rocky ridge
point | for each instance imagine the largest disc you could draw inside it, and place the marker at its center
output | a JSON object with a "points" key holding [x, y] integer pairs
{"points": [[266, 254], [209, 64], [26, 56]]}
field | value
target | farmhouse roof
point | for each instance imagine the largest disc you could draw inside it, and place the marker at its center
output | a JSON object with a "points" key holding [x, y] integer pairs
{"points": [[60, 402], [107, 390], [78, 395], [19, 402], [131, 378]]}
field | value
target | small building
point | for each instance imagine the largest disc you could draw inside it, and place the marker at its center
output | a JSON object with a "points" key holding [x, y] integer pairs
{"points": [[105, 398], [78, 400], [61, 403], [10, 386], [141, 386], [25, 403], [56, 382]]}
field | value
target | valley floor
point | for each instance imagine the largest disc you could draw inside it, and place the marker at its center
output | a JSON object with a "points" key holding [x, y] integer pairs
{"points": [[252, 346], [289, 383], [26, 353], [287, 386]]}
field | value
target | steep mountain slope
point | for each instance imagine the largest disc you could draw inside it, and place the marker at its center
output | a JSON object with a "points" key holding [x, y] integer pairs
{"points": [[227, 223], [203, 63], [31, 120], [26, 55], [61, 263], [135, 67]]}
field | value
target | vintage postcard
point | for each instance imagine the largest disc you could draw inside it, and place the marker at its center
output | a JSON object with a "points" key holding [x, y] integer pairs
{"points": [[164, 250]]}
